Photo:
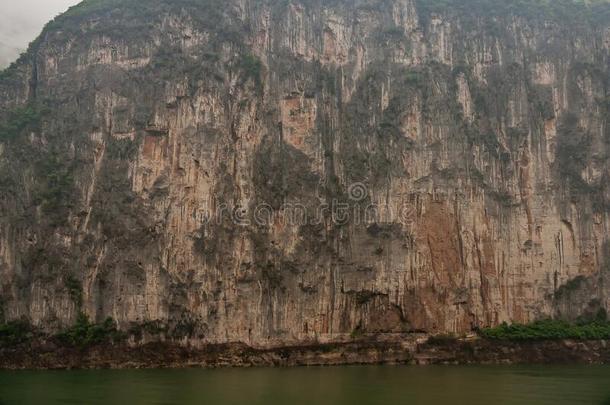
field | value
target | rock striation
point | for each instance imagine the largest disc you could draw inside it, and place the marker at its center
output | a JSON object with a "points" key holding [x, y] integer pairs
{"points": [[276, 172]]}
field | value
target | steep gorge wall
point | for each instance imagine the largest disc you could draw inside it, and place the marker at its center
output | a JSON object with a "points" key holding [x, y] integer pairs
{"points": [[131, 134]]}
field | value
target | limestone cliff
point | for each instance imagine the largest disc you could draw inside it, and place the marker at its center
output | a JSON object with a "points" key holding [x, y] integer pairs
{"points": [[283, 171]]}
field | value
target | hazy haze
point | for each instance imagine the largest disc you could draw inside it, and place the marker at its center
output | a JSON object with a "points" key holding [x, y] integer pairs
{"points": [[22, 20]]}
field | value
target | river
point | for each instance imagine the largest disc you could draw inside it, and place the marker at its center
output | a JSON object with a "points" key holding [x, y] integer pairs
{"points": [[454, 385]]}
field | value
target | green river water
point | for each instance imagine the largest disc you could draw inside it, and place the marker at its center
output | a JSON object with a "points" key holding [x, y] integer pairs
{"points": [[333, 385]]}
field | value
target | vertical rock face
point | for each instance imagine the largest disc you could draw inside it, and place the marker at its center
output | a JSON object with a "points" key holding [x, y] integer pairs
{"points": [[276, 172]]}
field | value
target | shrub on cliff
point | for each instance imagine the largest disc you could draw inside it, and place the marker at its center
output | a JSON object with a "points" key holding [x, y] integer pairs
{"points": [[84, 333], [14, 333], [252, 69], [549, 330], [18, 120]]}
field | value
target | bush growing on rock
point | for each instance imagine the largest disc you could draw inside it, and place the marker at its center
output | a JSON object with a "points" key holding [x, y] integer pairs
{"points": [[14, 333], [549, 330], [84, 333]]}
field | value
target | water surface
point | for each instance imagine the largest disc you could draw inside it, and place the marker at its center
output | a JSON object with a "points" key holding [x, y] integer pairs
{"points": [[334, 385]]}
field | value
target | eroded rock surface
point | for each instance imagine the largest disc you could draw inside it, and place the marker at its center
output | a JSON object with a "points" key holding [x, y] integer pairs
{"points": [[148, 154]]}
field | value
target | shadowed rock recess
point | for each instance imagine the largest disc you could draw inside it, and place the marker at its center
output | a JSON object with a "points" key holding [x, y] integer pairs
{"points": [[140, 139]]}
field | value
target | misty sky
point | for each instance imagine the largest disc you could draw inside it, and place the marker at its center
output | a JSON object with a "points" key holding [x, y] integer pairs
{"points": [[22, 20]]}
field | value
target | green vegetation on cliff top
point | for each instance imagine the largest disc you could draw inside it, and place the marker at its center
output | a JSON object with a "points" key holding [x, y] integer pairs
{"points": [[567, 10], [551, 9]]}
